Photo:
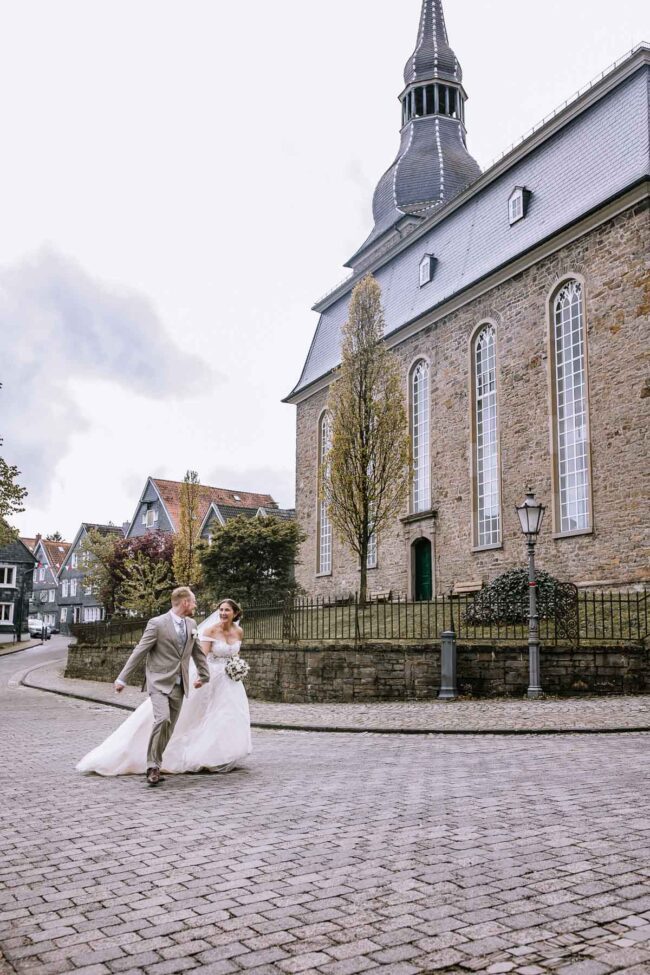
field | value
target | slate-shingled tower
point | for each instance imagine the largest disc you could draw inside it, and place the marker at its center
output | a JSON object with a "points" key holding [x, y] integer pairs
{"points": [[433, 164]]}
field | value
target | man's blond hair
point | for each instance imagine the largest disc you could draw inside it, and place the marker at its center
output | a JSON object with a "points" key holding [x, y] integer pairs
{"points": [[178, 595]]}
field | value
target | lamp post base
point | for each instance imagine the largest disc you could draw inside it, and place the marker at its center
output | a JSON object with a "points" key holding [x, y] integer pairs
{"points": [[535, 693]]}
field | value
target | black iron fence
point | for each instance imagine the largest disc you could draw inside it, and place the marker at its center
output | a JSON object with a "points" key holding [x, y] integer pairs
{"points": [[569, 617]]}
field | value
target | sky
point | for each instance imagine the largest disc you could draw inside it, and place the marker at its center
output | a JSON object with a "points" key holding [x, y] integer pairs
{"points": [[182, 180]]}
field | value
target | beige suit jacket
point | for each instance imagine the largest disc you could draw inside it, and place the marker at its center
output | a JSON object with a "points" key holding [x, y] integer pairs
{"points": [[165, 661]]}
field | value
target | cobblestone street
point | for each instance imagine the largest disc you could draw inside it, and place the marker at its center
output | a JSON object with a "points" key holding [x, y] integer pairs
{"points": [[331, 854]]}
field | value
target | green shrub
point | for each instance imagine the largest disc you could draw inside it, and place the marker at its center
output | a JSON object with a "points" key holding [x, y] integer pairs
{"points": [[505, 600]]}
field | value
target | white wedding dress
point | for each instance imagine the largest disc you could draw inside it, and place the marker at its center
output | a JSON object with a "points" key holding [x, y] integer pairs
{"points": [[213, 732]]}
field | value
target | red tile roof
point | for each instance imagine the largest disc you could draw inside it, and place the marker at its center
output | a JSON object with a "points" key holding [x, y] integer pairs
{"points": [[56, 552], [170, 492]]}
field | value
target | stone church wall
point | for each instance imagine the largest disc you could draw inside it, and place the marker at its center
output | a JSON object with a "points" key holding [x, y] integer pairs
{"points": [[612, 262]]}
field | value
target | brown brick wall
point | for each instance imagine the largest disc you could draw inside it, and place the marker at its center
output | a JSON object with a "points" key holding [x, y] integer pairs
{"points": [[612, 261]]}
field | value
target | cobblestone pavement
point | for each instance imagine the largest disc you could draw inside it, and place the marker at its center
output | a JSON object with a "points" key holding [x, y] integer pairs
{"points": [[568, 714], [328, 854]]}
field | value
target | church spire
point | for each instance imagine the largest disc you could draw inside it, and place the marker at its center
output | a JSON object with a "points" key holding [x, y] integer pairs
{"points": [[433, 164]]}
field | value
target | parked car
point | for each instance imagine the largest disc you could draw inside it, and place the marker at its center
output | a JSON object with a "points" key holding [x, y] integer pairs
{"points": [[38, 628]]}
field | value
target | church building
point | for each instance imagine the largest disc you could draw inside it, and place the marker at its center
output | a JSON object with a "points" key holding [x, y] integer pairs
{"points": [[517, 300]]}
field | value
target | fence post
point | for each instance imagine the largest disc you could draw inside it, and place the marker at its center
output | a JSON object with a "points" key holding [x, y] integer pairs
{"points": [[448, 686]]}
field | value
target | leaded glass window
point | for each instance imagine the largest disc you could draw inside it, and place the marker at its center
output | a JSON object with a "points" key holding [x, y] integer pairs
{"points": [[486, 458], [571, 431], [324, 523], [420, 423]]}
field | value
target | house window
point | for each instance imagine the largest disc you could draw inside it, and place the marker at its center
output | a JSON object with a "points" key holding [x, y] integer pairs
{"points": [[420, 417], [486, 451], [65, 586], [92, 614], [64, 615], [571, 419], [51, 595], [40, 574], [6, 612], [150, 517], [8, 576], [73, 587], [74, 561], [88, 590], [324, 523]]}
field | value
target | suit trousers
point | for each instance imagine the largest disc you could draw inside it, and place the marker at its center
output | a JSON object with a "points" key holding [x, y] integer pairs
{"points": [[166, 709]]}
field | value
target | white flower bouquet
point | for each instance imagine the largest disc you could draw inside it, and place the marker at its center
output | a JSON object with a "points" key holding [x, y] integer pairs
{"points": [[237, 668]]}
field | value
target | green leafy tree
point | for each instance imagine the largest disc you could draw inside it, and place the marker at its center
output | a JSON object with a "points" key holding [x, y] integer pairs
{"points": [[12, 497], [252, 559], [367, 470], [186, 562], [107, 559], [146, 585], [54, 537]]}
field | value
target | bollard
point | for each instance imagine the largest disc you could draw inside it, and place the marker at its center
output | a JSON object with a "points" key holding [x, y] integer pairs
{"points": [[448, 688]]}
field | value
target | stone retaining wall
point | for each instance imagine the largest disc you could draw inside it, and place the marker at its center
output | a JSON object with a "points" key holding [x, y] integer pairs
{"points": [[383, 672]]}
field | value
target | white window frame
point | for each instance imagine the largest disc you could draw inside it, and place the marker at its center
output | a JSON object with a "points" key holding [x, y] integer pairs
{"points": [[65, 588], [74, 561], [92, 614], [487, 474], [516, 206], [324, 528], [9, 573], [51, 597], [571, 410], [420, 423], [64, 615], [426, 269], [6, 612], [73, 587], [372, 560]]}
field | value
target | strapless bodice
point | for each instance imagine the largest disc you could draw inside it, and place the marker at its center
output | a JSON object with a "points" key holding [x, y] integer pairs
{"points": [[220, 650]]}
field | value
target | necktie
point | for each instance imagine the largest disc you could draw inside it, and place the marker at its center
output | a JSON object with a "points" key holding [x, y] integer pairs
{"points": [[181, 633]]}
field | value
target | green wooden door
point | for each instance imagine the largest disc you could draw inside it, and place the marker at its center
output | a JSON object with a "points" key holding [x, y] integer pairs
{"points": [[423, 570]]}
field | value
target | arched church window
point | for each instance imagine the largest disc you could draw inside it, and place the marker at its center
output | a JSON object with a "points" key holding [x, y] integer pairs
{"points": [[324, 528], [487, 476], [420, 425], [571, 420]]}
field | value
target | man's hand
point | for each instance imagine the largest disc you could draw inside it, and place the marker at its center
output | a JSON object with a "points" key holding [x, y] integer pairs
{"points": [[198, 683], [119, 687]]}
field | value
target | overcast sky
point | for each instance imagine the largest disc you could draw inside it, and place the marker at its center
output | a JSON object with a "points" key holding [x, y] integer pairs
{"points": [[181, 180]]}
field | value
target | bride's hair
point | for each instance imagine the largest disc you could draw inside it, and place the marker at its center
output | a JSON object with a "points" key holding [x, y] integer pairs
{"points": [[235, 607]]}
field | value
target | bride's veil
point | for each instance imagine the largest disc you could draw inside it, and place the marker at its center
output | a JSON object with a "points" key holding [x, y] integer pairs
{"points": [[207, 623]]}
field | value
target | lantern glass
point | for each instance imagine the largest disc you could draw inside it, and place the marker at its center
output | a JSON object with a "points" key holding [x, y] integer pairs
{"points": [[531, 515]]}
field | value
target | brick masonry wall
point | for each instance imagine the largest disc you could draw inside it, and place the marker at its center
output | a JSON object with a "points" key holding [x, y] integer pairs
{"points": [[380, 672], [612, 261]]}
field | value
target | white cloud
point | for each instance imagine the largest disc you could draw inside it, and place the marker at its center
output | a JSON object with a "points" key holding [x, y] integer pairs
{"points": [[59, 324]]}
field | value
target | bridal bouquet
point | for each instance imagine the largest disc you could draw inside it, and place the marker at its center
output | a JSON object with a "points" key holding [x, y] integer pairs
{"points": [[237, 669]]}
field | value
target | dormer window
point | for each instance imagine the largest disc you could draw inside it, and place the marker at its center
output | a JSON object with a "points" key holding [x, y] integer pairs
{"points": [[236, 497], [150, 516], [427, 267], [518, 204]]}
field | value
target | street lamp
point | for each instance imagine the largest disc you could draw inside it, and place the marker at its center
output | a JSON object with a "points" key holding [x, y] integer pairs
{"points": [[531, 516]]}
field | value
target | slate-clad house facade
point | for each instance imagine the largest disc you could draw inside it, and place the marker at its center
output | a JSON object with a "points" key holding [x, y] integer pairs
{"points": [[50, 556], [160, 505], [77, 602], [16, 571], [517, 303]]}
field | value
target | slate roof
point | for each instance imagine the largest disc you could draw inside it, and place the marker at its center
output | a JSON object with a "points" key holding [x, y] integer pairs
{"points": [[170, 493], [590, 153], [432, 165], [433, 57]]}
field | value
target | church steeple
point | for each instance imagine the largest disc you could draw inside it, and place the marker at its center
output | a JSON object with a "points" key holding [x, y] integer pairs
{"points": [[433, 164]]}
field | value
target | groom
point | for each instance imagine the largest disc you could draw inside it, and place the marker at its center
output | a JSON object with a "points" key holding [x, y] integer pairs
{"points": [[167, 645]]}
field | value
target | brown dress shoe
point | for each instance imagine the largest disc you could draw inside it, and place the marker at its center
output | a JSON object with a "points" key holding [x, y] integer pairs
{"points": [[153, 776]]}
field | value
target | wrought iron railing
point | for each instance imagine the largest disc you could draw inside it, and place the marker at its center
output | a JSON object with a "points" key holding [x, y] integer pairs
{"points": [[568, 617]]}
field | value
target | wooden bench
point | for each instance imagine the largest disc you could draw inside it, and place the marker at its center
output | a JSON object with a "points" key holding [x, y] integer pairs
{"points": [[382, 596], [467, 588]]}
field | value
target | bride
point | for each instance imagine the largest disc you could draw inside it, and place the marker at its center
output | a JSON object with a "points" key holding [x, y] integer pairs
{"points": [[213, 730]]}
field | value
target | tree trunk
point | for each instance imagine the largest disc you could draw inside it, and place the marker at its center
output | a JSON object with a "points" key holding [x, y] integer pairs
{"points": [[363, 578]]}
